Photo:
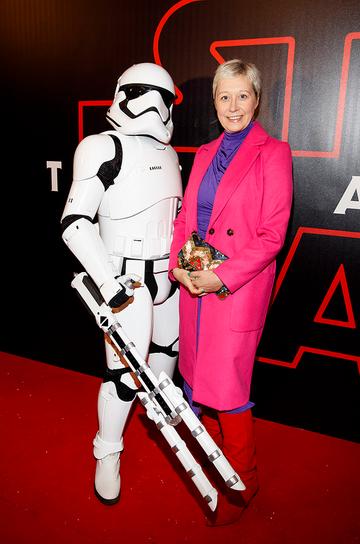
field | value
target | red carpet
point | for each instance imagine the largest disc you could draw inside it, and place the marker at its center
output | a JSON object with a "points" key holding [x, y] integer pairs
{"points": [[309, 482]]}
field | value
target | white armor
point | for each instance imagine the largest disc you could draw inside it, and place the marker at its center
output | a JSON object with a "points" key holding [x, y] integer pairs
{"points": [[128, 181]]}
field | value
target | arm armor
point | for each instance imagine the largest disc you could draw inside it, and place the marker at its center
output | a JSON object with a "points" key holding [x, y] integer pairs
{"points": [[96, 164]]}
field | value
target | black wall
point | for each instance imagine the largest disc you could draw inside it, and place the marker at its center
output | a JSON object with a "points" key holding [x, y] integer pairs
{"points": [[57, 53]]}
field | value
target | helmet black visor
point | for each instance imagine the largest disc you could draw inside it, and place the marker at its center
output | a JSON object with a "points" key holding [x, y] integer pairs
{"points": [[135, 90]]}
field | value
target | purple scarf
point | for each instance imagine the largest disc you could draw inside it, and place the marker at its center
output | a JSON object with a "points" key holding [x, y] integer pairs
{"points": [[206, 195]]}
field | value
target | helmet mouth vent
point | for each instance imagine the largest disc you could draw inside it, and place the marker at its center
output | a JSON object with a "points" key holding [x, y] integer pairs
{"points": [[123, 107]]}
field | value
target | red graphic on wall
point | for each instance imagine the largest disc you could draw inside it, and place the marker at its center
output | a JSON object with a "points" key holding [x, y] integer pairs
{"points": [[339, 281], [335, 152], [286, 40]]}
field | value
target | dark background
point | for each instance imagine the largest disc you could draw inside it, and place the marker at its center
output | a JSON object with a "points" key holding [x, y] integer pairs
{"points": [[55, 53]]}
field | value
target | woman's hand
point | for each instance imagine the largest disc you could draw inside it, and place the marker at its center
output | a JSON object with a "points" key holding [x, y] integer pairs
{"points": [[200, 282], [184, 277]]}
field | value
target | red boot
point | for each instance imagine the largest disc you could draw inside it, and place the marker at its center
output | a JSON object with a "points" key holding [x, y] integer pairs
{"points": [[239, 449], [210, 420]]}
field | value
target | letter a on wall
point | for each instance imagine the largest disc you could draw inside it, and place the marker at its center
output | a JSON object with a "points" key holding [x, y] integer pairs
{"points": [[350, 199], [339, 281]]}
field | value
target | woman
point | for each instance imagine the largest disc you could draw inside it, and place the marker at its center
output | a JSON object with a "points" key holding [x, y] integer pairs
{"points": [[238, 199]]}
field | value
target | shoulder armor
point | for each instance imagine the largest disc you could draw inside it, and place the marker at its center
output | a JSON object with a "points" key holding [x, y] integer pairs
{"points": [[91, 154], [130, 151]]}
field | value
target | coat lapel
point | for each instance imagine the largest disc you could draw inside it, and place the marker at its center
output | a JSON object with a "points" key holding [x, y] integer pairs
{"points": [[201, 164], [238, 168]]}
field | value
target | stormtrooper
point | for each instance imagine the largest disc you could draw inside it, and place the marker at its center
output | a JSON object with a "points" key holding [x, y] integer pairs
{"points": [[117, 221]]}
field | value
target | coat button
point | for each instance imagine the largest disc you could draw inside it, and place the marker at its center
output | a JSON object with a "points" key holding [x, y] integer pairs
{"points": [[229, 232], [211, 231]]}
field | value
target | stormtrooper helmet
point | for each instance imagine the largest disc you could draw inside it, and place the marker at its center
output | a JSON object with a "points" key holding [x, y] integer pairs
{"points": [[143, 102]]}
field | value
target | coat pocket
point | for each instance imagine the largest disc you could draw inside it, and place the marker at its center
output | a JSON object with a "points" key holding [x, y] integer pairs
{"points": [[250, 303]]}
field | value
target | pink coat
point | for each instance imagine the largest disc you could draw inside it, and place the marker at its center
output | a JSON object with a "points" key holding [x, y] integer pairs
{"points": [[248, 223]]}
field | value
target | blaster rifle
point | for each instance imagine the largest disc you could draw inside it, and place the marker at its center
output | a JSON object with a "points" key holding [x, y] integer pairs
{"points": [[164, 402]]}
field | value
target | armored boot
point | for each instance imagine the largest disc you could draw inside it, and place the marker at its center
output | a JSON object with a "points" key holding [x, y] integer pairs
{"points": [[108, 443]]}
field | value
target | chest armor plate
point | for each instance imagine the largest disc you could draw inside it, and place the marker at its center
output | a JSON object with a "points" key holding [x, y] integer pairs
{"points": [[149, 174], [137, 212]]}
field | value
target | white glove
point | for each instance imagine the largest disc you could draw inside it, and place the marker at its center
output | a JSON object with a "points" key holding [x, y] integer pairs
{"points": [[117, 291]]}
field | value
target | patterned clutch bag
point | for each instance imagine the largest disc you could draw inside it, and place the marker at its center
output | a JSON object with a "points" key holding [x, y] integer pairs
{"points": [[196, 254]]}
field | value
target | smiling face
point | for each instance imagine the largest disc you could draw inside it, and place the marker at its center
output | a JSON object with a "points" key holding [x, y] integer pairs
{"points": [[235, 102]]}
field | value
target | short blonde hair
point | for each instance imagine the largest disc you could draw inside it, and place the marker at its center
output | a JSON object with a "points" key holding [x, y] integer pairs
{"points": [[237, 67]]}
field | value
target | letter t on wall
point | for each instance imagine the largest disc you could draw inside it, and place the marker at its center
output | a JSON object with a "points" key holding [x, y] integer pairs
{"points": [[54, 166]]}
